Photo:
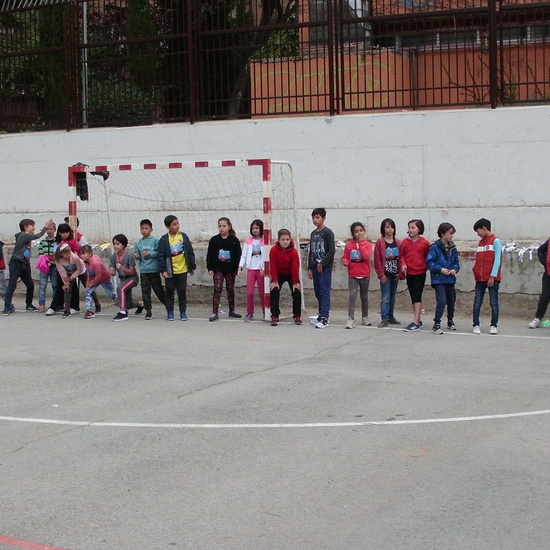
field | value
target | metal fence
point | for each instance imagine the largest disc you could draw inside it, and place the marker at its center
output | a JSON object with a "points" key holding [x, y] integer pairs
{"points": [[91, 63]]}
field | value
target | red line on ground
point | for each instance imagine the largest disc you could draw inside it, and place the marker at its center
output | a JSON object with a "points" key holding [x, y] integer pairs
{"points": [[27, 544]]}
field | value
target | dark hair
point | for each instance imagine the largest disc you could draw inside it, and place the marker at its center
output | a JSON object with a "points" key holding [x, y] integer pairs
{"points": [[122, 239], [419, 224], [228, 221], [282, 232], [444, 227], [482, 222], [86, 248], [168, 220], [67, 218], [260, 224], [383, 226], [353, 226], [146, 222], [60, 249], [319, 212], [23, 224], [64, 228]]}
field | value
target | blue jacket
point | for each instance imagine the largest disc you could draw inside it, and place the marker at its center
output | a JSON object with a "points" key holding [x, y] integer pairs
{"points": [[440, 257]]}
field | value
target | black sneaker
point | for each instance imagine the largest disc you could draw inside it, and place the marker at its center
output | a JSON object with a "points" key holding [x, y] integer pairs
{"points": [[31, 307], [98, 308], [393, 321], [384, 323], [436, 329], [120, 316], [8, 310], [148, 315], [139, 310], [66, 314], [235, 315]]}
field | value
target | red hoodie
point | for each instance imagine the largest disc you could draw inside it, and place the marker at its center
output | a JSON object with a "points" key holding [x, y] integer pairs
{"points": [[413, 254], [284, 261], [97, 271], [356, 268]]}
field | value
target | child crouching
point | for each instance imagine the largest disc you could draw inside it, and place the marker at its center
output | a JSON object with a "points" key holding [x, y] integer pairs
{"points": [[98, 275]]}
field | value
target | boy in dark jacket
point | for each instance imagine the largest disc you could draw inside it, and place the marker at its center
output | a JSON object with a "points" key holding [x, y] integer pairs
{"points": [[284, 267], [442, 261], [176, 258], [544, 298]]}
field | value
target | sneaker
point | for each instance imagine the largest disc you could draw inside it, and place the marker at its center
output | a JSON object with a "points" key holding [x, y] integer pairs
{"points": [[148, 315], [436, 329], [139, 309], [8, 310], [248, 317], [323, 323], [535, 323], [183, 316], [74, 311], [384, 323], [66, 314], [393, 321], [214, 317], [121, 316], [476, 330], [89, 314], [41, 309], [297, 319], [50, 312], [31, 307], [412, 327], [451, 325], [314, 319], [170, 316], [274, 321], [235, 315], [493, 330], [350, 324], [420, 323], [98, 308], [365, 322]]}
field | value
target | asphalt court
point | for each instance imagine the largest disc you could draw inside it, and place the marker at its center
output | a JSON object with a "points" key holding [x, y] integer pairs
{"points": [[231, 435]]}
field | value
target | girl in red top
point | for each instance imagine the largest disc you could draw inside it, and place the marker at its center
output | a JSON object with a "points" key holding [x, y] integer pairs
{"points": [[413, 253], [356, 258]]}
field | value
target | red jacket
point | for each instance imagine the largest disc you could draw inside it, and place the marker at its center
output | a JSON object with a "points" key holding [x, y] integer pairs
{"points": [[284, 261], [355, 268], [380, 256], [413, 254], [97, 271], [485, 259]]}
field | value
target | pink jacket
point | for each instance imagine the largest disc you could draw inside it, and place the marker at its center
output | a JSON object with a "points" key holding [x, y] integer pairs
{"points": [[76, 267], [97, 271], [355, 268]]}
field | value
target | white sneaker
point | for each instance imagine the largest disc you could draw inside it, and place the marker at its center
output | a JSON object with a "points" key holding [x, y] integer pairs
{"points": [[350, 324], [50, 312], [535, 323], [493, 330], [75, 311], [365, 322], [476, 330], [323, 323], [314, 319]]}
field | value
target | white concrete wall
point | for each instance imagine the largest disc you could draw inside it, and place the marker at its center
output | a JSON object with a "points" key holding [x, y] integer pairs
{"points": [[453, 166]]}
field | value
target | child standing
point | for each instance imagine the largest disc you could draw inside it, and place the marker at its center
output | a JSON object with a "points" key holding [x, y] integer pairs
{"points": [[320, 260], [124, 263], [98, 275], [386, 265], [284, 265], [442, 261], [20, 264], [222, 261], [413, 252], [356, 258], [253, 259], [71, 269], [176, 258], [3, 284], [146, 253], [46, 266], [487, 273], [544, 299]]}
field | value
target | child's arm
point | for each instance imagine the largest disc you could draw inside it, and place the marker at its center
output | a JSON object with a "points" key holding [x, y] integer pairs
{"points": [[345, 255], [432, 261], [273, 273], [542, 253], [497, 247], [330, 249]]}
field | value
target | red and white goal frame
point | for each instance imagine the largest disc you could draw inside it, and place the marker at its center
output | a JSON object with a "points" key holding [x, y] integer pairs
{"points": [[172, 178]]}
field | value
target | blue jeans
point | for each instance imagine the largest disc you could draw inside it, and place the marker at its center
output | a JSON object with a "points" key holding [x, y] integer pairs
{"points": [[322, 283], [109, 289], [43, 284], [388, 291], [493, 300], [445, 295]]}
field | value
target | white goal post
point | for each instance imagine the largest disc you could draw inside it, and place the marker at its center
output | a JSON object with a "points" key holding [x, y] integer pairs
{"points": [[111, 199]]}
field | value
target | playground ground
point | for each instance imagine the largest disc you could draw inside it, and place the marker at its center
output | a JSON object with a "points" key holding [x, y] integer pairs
{"points": [[149, 435]]}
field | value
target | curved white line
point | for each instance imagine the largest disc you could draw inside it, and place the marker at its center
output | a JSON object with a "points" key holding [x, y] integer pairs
{"points": [[273, 425]]}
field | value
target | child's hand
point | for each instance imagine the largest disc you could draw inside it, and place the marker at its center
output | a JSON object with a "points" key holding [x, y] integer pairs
{"points": [[211, 273], [239, 271], [297, 286], [191, 273], [262, 272], [165, 275], [112, 270], [273, 285], [404, 269], [119, 265], [319, 268], [145, 253], [383, 279], [309, 274], [345, 262], [136, 255], [65, 287], [491, 282]]}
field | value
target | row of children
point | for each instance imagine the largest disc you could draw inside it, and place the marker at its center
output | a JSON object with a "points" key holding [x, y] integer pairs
{"points": [[64, 261]]}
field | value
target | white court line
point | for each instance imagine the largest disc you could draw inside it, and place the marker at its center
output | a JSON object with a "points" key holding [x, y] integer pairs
{"points": [[273, 425]]}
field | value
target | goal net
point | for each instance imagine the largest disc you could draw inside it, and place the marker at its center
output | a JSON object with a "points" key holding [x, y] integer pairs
{"points": [[113, 199]]}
